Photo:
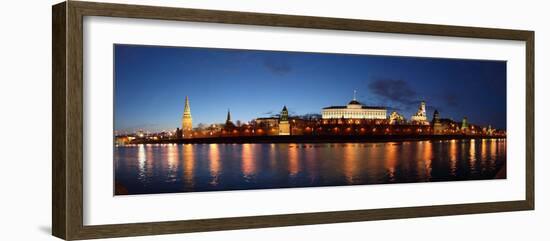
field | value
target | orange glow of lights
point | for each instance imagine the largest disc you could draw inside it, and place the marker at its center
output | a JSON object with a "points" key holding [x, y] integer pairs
{"points": [[293, 162], [173, 156], [427, 156], [248, 162], [188, 164], [472, 156], [391, 160], [350, 163], [214, 156]]}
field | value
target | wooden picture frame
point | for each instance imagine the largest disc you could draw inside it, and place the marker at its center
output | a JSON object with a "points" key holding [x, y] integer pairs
{"points": [[67, 124]]}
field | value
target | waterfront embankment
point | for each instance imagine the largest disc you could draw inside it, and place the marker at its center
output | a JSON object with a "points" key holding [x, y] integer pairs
{"points": [[312, 139]]}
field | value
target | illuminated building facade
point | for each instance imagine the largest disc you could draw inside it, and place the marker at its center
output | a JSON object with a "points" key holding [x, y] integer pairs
{"points": [[397, 119], [267, 121], [489, 130], [354, 110], [420, 116]]}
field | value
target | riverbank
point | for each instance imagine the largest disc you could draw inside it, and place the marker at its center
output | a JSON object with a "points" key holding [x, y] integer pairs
{"points": [[311, 139]]}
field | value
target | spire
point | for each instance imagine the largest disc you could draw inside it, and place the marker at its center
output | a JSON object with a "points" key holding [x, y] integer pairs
{"points": [[187, 108], [228, 123], [284, 114], [354, 103]]}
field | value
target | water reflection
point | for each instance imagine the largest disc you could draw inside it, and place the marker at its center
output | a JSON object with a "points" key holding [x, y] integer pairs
{"points": [[149, 161], [453, 156], [391, 160], [484, 149], [293, 167], [272, 155], [206, 167], [493, 149], [420, 162], [472, 155], [350, 162], [188, 165], [173, 161], [214, 157], [311, 165], [248, 165], [141, 160], [427, 158]]}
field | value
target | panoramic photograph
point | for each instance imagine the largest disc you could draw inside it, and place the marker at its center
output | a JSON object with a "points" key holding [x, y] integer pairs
{"points": [[189, 119]]}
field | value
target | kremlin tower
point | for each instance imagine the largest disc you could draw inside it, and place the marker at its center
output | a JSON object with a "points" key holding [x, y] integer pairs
{"points": [[187, 121], [284, 125]]}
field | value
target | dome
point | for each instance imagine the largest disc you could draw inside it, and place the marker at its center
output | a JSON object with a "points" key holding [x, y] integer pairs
{"points": [[354, 102]]}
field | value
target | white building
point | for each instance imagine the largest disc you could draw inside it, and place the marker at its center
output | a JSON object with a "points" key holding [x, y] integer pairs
{"points": [[354, 110]]}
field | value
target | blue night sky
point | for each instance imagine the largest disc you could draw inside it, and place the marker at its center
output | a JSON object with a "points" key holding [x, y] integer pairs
{"points": [[151, 83]]}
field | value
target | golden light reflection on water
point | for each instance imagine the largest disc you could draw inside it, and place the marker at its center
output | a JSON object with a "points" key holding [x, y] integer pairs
{"points": [[350, 162], [293, 161], [373, 154], [391, 160], [404, 150], [208, 166], [188, 165], [173, 160], [418, 157], [272, 155], [427, 158], [214, 164], [453, 156], [420, 163], [485, 157], [248, 161], [493, 148], [484, 149], [472, 154], [493, 151]]}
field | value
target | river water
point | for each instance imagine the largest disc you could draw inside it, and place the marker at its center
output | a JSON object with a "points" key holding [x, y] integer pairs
{"points": [[168, 168]]}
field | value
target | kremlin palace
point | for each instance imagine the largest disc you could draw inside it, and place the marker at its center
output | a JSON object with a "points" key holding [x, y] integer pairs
{"points": [[354, 110]]}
